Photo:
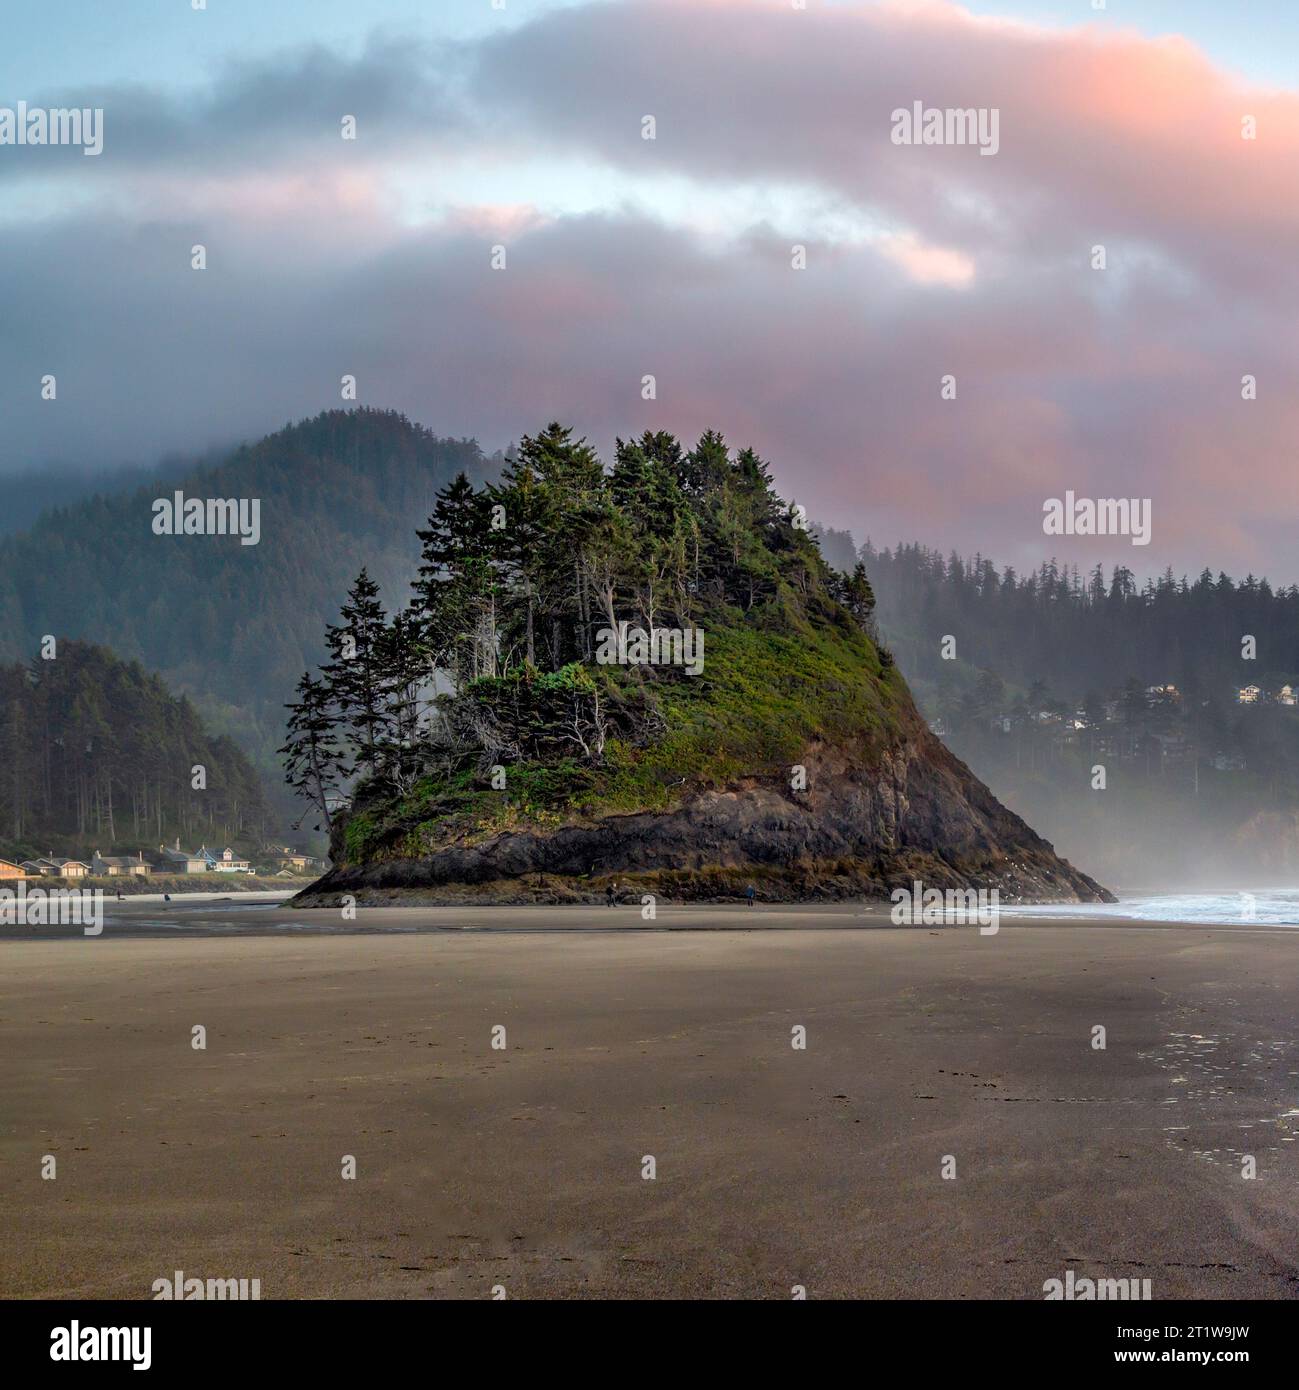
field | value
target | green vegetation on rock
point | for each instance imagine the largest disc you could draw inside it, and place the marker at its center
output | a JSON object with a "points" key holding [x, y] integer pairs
{"points": [[520, 586], [641, 679]]}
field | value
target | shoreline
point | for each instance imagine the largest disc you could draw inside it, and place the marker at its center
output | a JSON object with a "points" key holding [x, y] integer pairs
{"points": [[178, 887], [198, 895], [272, 915]]}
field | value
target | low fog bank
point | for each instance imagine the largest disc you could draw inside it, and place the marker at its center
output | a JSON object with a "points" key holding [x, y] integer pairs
{"points": [[1151, 836]]}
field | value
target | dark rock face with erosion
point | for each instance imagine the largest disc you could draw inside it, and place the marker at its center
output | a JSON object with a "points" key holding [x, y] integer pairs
{"points": [[863, 827]]}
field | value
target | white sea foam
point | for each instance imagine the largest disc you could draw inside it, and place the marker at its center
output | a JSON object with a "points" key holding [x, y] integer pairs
{"points": [[1277, 907]]}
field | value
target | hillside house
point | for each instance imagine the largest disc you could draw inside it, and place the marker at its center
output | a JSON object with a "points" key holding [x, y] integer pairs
{"points": [[1173, 748]]}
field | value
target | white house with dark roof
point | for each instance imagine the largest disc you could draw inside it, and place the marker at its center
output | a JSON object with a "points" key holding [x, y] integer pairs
{"points": [[227, 862]]}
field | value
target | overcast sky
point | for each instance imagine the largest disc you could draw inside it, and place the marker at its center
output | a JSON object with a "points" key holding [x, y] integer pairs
{"points": [[522, 127]]}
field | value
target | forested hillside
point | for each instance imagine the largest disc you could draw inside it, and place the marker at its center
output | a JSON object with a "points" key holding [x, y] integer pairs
{"points": [[233, 625], [1052, 675], [1075, 632], [98, 753], [28, 495]]}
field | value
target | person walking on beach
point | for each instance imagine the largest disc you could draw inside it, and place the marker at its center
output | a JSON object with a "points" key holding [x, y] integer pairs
{"points": [[611, 893], [750, 893]]}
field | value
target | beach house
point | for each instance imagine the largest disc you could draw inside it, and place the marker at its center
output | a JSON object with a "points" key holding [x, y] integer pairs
{"points": [[177, 861], [55, 866], [227, 862], [120, 866], [299, 863]]}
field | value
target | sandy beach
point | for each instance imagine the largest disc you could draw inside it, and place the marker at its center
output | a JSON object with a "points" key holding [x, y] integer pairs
{"points": [[522, 1167]]}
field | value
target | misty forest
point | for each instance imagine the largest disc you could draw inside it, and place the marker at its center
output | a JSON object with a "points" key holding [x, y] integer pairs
{"points": [[1182, 689], [99, 753]]}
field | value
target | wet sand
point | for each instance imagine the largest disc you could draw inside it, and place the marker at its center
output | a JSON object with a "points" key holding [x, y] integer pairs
{"points": [[523, 1167]]}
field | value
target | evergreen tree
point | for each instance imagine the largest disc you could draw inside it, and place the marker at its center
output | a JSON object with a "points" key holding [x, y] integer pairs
{"points": [[355, 675], [313, 760]]}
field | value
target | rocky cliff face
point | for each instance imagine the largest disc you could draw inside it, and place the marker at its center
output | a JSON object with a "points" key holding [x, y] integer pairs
{"points": [[865, 825]]}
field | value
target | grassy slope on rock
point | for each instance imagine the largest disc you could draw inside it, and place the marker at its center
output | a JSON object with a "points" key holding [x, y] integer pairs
{"points": [[761, 698]]}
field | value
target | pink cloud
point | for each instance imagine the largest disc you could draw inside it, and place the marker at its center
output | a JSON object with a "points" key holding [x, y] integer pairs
{"points": [[1124, 381]]}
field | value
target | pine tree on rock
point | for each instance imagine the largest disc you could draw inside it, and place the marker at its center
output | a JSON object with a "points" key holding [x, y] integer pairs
{"points": [[313, 760], [354, 672]]}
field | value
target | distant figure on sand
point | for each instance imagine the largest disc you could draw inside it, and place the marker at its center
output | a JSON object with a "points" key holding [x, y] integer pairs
{"points": [[611, 893], [749, 893]]}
